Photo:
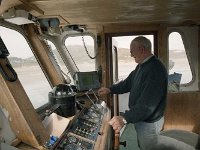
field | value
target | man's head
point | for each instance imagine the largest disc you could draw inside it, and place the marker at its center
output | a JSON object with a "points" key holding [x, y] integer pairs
{"points": [[140, 48]]}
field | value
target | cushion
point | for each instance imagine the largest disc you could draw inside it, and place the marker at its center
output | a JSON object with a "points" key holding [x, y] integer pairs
{"points": [[187, 137]]}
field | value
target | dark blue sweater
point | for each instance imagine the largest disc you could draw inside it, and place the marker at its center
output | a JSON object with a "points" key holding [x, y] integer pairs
{"points": [[147, 85]]}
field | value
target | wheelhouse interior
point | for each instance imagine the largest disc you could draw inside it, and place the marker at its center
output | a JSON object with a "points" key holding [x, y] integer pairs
{"points": [[81, 45]]}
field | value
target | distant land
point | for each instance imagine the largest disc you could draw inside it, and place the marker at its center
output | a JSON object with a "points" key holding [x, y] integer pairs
{"points": [[79, 55]]}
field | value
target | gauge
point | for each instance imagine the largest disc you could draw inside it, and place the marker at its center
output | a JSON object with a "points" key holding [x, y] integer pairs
{"points": [[86, 117], [94, 115], [71, 139], [98, 106], [96, 120], [79, 148], [71, 147]]}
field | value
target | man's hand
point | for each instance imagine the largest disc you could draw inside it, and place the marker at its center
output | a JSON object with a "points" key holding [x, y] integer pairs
{"points": [[117, 123], [103, 91]]}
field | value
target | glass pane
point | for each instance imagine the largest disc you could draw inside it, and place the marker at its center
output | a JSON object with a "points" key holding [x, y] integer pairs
{"points": [[126, 63], [178, 60], [59, 61], [81, 49], [27, 68]]}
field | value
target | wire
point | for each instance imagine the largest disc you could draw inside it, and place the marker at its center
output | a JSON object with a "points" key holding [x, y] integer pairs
{"points": [[72, 58], [87, 49], [67, 79]]}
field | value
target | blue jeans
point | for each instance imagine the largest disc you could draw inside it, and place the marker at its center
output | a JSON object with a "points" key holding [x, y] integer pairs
{"points": [[149, 137], [147, 133]]}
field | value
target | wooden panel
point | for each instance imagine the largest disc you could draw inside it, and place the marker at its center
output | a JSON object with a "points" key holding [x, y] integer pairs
{"points": [[162, 45], [183, 111], [103, 60], [103, 141], [5, 5], [112, 11], [122, 28], [32, 6], [23, 119], [44, 56], [121, 11]]}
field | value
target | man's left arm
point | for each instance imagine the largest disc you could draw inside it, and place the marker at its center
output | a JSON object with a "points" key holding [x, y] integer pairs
{"points": [[151, 96]]}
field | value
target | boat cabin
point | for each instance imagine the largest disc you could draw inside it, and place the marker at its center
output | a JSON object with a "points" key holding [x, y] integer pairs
{"points": [[55, 55]]}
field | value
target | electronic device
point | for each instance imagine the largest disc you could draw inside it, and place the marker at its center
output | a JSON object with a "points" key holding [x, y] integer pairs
{"points": [[86, 80], [83, 131], [3, 49]]}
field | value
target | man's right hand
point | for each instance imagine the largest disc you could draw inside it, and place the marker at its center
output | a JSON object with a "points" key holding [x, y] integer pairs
{"points": [[103, 91]]}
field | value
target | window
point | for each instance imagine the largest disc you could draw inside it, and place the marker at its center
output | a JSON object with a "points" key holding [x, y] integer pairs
{"points": [[82, 51], [27, 68], [126, 63], [178, 60], [59, 61]]}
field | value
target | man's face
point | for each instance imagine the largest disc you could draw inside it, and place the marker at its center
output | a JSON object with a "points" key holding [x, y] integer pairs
{"points": [[136, 51]]}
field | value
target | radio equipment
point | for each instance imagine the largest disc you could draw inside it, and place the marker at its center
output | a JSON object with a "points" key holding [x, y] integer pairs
{"points": [[84, 128]]}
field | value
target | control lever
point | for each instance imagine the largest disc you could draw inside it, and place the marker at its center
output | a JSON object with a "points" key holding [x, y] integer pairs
{"points": [[80, 105], [94, 95], [102, 103], [90, 99], [52, 109], [95, 106]]}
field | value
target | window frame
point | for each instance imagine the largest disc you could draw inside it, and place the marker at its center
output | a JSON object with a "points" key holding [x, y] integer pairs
{"points": [[187, 55], [18, 29], [68, 75], [84, 34]]}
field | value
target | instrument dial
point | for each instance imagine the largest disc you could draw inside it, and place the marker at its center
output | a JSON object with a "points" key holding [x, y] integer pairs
{"points": [[72, 139], [71, 147]]}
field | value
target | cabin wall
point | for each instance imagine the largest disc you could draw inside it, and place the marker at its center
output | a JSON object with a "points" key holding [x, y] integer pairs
{"points": [[182, 111]]}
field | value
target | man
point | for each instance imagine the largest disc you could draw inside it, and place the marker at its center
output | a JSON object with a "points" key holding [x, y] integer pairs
{"points": [[147, 85]]}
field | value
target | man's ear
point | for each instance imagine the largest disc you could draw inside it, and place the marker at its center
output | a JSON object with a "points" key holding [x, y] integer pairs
{"points": [[142, 49]]}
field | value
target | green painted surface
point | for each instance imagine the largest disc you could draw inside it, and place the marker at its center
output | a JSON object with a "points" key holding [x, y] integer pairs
{"points": [[130, 136]]}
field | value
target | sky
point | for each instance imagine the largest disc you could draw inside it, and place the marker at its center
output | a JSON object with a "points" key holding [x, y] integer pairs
{"points": [[15, 43], [18, 47], [124, 41], [175, 41]]}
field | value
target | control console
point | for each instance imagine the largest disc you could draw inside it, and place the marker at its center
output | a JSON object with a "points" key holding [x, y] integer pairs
{"points": [[83, 131]]}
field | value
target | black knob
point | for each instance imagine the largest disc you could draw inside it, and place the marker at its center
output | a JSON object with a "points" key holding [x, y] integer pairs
{"points": [[123, 143]]}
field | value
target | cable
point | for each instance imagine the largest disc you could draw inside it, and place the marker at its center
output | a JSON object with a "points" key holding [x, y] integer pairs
{"points": [[68, 80], [72, 58], [87, 50]]}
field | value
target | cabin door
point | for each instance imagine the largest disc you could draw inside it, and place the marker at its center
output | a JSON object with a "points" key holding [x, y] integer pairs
{"points": [[123, 65]]}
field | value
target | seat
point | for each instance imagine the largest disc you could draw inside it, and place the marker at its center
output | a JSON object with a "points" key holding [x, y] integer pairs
{"points": [[187, 137]]}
